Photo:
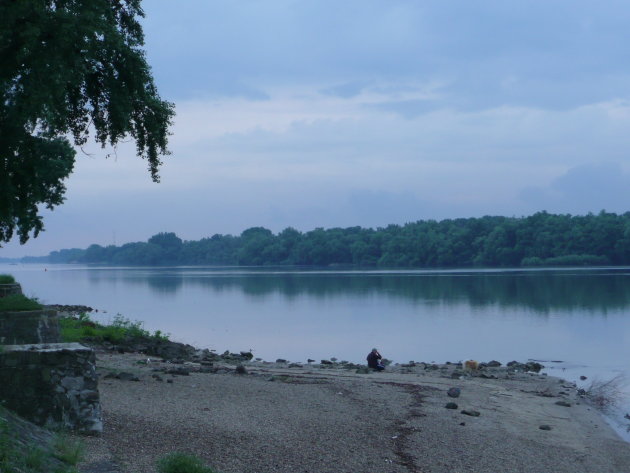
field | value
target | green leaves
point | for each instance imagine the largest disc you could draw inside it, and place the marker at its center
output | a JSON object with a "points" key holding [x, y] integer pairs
{"points": [[68, 69]]}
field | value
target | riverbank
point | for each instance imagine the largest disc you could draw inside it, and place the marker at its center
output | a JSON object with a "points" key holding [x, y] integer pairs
{"points": [[329, 418]]}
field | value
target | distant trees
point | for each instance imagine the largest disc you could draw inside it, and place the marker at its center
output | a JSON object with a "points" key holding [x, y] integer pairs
{"points": [[541, 239]]}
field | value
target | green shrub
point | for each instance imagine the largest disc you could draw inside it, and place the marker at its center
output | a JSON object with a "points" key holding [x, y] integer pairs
{"points": [[182, 463], [18, 302], [74, 329], [6, 279]]}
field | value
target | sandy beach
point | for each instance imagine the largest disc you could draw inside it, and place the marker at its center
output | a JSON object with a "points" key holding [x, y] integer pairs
{"points": [[325, 418]]}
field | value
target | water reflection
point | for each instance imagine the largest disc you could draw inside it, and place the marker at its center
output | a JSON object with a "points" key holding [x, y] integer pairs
{"points": [[595, 292]]}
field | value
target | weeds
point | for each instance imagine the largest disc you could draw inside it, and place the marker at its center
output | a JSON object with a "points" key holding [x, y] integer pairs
{"points": [[182, 463], [75, 329], [605, 395], [24, 457], [68, 449]]}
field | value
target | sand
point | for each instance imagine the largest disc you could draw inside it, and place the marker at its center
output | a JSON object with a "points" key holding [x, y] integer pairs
{"points": [[320, 420]]}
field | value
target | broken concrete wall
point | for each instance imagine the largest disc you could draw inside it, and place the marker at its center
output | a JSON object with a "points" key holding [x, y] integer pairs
{"points": [[53, 385], [33, 326], [10, 289]]}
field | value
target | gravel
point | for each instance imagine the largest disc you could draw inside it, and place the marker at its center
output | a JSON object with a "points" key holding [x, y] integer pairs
{"points": [[275, 419]]}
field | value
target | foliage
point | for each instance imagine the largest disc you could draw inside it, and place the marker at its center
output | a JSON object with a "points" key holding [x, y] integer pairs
{"points": [[541, 239], [75, 329], [6, 279], [68, 449], [68, 68], [20, 456], [18, 302], [182, 463]]}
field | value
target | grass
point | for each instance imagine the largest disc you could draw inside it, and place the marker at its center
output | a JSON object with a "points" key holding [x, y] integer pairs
{"points": [[75, 329], [67, 449], [6, 279], [18, 302], [182, 463], [22, 457]]}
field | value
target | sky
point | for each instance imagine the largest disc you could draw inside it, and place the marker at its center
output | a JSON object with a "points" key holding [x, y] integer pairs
{"points": [[328, 113]]}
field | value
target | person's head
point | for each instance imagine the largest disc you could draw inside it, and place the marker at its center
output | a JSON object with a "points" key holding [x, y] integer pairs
{"points": [[374, 350]]}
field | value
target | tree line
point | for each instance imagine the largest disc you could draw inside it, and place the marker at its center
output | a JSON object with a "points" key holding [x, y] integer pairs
{"points": [[542, 239]]}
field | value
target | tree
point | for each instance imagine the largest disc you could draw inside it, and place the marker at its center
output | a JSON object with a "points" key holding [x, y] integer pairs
{"points": [[68, 69]]}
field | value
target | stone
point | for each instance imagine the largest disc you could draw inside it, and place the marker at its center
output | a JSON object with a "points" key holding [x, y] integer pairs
{"points": [[493, 364], [247, 354], [451, 405], [545, 427], [310, 361], [583, 378], [472, 413], [563, 403], [240, 369], [281, 360], [124, 376], [453, 392], [326, 362], [178, 371]]}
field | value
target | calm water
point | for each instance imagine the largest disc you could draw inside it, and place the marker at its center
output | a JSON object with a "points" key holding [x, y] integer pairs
{"points": [[578, 317]]}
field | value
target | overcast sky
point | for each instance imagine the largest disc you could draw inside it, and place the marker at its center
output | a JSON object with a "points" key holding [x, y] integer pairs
{"points": [[341, 113]]}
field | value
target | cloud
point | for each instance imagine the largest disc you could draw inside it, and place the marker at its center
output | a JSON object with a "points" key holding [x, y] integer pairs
{"points": [[586, 188]]}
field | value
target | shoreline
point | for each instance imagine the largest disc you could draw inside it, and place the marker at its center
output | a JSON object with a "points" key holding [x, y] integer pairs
{"points": [[327, 418], [246, 415]]}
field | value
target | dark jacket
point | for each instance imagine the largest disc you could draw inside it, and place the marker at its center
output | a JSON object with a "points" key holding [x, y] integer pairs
{"points": [[373, 359]]}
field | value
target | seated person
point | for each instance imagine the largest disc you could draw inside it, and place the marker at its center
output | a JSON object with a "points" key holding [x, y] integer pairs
{"points": [[374, 360]]}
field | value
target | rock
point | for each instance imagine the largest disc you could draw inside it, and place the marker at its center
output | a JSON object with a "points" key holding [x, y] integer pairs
{"points": [[363, 370], [124, 376], [534, 366], [240, 369], [453, 392], [563, 403], [247, 354], [295, 365], [281, 360], [326, 362], [169, 381], [583, 378], [178, 371], [545, 427], [462, 423], [451, 405], [157, 377], [470, 412], [493, 364], [310, 361]]}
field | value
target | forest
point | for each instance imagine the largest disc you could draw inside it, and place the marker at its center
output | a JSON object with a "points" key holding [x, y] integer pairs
{"points": [[542, 239]]}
